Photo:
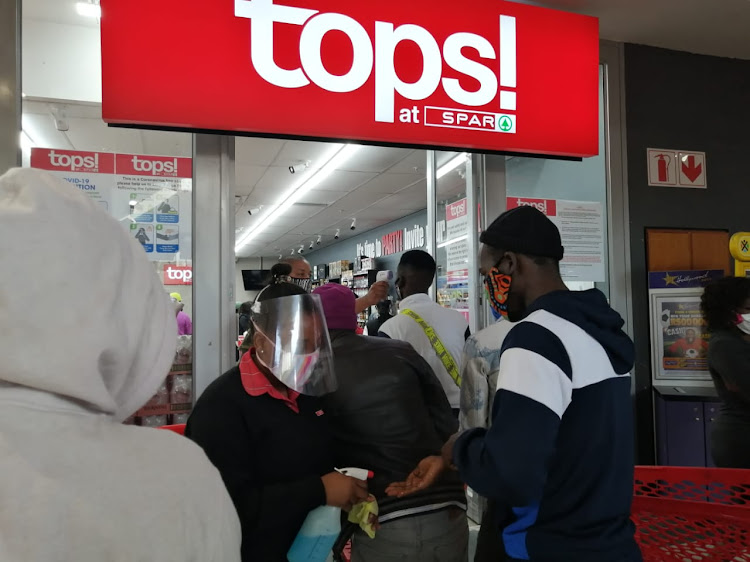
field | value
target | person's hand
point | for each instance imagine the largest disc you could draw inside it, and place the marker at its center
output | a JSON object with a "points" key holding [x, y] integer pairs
{"points": [[422, 477], [447, 451], [344, 491], [378, 292]]}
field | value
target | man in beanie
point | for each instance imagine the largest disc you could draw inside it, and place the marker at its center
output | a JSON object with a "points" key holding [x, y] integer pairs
{"points": [[388, 413], [557, 462]]}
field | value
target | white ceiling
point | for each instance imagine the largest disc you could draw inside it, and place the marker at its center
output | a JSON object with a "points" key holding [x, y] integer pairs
{"points": [[376, 185], [710, 27]]}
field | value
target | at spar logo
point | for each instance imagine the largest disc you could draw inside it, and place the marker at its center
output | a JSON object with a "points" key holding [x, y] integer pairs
{"points": [[178, 275], [74, 162], [155, 167], [375, 51]]}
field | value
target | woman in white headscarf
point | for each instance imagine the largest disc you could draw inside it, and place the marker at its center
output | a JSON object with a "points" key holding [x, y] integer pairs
{"points": [[76, 484]]}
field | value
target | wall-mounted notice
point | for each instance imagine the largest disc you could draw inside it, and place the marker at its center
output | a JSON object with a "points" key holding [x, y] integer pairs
{"points": [[457, 236], [581, 225], [149, 195]]}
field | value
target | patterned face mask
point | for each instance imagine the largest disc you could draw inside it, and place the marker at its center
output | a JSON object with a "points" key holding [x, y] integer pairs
{"points": [[305, 283], [498, 288]]}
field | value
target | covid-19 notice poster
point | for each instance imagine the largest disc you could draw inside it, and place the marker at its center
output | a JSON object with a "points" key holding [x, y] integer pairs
{"points": [[150, 195]]}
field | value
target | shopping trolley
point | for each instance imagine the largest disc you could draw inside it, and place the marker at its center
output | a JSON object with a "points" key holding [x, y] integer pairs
{"points": [[692, 514]]}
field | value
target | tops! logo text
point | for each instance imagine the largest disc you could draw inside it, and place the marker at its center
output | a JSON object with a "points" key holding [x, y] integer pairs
{"points": [[377, 48], [178, 275], [74, 162]]}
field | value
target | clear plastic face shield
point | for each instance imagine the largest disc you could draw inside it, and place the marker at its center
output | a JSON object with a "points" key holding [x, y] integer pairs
{"points": [[291, 340]]}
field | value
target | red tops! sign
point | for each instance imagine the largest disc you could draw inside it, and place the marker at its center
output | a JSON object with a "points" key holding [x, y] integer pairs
{"points": [[492, 76], [178, 275], [154, 166], [55, 160], [547, 206]]}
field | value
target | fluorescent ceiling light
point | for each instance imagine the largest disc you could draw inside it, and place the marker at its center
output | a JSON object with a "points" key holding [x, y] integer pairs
{"points": [[335, 158], [453, 241], [452, 165], [88, 10]]}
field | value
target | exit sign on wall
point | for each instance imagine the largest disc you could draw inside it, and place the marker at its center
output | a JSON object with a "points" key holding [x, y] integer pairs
{"points": [[489, 76]]}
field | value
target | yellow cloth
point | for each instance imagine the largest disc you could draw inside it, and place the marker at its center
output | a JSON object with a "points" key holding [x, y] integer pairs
{"points": [[360, 514], [176, 296]]}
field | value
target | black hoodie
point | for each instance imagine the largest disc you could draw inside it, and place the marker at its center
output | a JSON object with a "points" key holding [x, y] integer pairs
{"points": [[558, 459]]}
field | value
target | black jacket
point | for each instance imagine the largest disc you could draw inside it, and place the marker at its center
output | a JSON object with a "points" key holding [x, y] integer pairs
{"points": [[388, 413], [271, 460]]}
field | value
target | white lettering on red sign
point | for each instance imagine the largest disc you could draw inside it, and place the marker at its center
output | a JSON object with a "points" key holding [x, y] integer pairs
{"points": [[547, 206], [380, 54], [74, 162], [178, 275], [155, 167], [455, 210]]}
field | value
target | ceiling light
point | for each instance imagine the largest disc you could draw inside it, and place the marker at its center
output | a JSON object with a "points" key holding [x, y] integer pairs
{"points": [[335, 158], [452, 165], [88, 10]]}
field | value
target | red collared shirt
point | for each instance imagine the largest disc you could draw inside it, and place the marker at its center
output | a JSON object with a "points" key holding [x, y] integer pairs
{"points": [[255, 383]]}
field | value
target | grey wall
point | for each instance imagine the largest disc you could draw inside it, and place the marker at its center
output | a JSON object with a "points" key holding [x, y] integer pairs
{"points": [[677, 100], [10, 83], [347, 249]]}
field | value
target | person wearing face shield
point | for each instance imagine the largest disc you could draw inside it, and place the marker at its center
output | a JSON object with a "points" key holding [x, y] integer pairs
{"points": [[557, 461], [75, 483], [265, 429], [726, 309], [301, 274]]}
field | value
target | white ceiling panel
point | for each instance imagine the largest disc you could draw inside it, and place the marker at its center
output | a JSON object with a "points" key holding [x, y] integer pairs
{"points": [[255, 151], [390, 182], [324, 197], [375, 159], [294, 152], [246, 176], [413, 163], [358, 200], [345, 181]]}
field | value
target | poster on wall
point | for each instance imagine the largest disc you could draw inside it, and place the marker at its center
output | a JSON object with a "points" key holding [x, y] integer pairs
{"points": [[681, 338], [149, 195], [679, 334], [581, 225]]}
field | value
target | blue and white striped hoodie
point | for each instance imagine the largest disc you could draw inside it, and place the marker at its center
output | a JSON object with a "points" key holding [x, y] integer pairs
{"points": [[558, 458]]}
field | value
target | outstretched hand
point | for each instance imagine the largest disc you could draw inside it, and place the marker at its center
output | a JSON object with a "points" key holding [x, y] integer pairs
{"points": [[421, 478]]}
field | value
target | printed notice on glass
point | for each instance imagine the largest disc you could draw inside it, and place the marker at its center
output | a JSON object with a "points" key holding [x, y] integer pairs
{"points": [[581, 225]]}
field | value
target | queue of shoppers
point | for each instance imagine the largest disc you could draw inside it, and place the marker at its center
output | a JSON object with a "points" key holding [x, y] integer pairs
{"points": [[546, 432]]}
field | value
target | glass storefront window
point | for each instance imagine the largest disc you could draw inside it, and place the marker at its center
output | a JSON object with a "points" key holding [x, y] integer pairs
{"points": [[452, 234], [144, 180], [574, 196]]}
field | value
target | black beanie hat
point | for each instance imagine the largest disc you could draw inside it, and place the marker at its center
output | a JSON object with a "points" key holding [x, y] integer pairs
{"points": [[525, 230]]}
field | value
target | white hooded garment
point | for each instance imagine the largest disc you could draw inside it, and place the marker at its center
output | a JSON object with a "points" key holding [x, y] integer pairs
{"points": [[87, 334]]}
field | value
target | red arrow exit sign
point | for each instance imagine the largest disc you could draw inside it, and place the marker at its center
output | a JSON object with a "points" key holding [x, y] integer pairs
{"points": [[676, 168]]}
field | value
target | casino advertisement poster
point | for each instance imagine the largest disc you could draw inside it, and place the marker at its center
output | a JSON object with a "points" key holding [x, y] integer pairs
{"points": [[680, 335], [684, 336]]}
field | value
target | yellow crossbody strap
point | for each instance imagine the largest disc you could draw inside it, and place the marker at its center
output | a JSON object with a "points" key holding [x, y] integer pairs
{"points": [[443, 354]]}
